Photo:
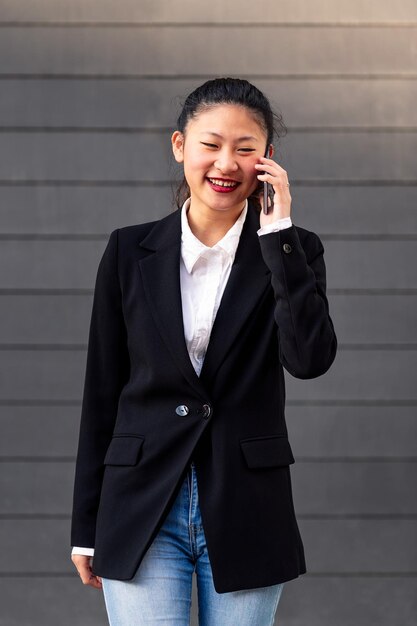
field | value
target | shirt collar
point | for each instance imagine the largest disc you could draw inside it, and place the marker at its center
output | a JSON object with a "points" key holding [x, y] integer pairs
{"points": [[192, 248]]}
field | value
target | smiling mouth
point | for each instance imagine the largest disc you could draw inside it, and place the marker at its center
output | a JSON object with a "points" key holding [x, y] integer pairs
{"points": [[223, 183]]}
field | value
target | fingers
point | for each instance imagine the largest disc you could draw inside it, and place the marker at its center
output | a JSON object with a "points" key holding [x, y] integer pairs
{"points": [[279, 184], [95, 582], [83, 565], [272, 173], [88, 578], [261, 200], [271, 169], [271, 165]]}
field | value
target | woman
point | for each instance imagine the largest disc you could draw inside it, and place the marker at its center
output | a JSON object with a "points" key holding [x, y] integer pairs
{"points": [[183, 457]]}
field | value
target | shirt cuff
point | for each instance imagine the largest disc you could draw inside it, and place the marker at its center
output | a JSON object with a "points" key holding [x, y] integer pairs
{"points": [[273, 227], [85, 551]]}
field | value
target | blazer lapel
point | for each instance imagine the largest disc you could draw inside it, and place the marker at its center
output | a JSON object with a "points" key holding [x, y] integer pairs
{"points": [[248, 279], [161, 280]]}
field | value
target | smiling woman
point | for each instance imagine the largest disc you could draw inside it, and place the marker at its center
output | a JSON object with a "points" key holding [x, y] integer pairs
{"points": [[225, 129], [241, 103], [184, 459], [218, 163]]}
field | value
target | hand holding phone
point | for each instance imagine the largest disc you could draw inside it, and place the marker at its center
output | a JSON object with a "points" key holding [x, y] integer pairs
{"points": [[277, 189]]}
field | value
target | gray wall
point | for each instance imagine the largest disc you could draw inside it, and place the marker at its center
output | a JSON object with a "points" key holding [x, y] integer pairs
{"points": [[88, 96]]}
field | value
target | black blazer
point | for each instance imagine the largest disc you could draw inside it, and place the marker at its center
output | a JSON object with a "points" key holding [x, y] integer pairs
{"points": [[146, 413]]}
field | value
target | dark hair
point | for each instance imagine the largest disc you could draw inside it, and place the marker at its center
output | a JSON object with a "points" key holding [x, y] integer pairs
{"points": [[228, 91]]}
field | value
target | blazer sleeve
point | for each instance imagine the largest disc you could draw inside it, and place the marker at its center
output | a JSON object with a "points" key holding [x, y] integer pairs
{"points": [[107, 370], [306, 334]]}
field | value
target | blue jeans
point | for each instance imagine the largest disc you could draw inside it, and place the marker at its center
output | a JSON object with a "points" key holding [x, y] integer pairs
{"points": [[160, 592]]}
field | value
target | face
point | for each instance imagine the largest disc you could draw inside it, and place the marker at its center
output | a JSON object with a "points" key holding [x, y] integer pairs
{"points": [[219, 151]]}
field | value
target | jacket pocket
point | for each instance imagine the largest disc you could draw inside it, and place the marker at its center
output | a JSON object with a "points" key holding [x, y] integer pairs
{"points": [[268, 451], [124, 450]]}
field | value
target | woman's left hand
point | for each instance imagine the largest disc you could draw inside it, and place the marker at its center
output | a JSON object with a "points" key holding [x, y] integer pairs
{"points": [[276, 176]]}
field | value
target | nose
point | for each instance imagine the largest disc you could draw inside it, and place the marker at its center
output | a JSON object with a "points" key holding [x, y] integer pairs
{"points": [[226, 162]]}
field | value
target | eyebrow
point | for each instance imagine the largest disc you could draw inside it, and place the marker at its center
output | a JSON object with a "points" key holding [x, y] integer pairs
{"points": [[245, 138]]}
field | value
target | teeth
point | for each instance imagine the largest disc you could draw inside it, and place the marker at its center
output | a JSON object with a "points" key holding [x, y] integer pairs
{"points": [[222, 183]]}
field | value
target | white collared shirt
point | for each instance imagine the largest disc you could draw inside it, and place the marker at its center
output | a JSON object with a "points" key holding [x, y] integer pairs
{"points": [[204, 272]]}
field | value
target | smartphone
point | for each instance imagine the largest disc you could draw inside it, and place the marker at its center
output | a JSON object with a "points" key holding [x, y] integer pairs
{"points": [[265, 197], [267, 191]]}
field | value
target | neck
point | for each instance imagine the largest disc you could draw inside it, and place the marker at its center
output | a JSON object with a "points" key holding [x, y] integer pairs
{"points": [[210, 226]]}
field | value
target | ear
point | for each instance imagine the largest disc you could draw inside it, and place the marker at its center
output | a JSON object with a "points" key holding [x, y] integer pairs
{"points": [[271, 150], [177, 141]]}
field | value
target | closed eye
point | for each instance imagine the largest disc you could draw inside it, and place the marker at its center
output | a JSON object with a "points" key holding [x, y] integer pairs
{"points": [[213, 145]]}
